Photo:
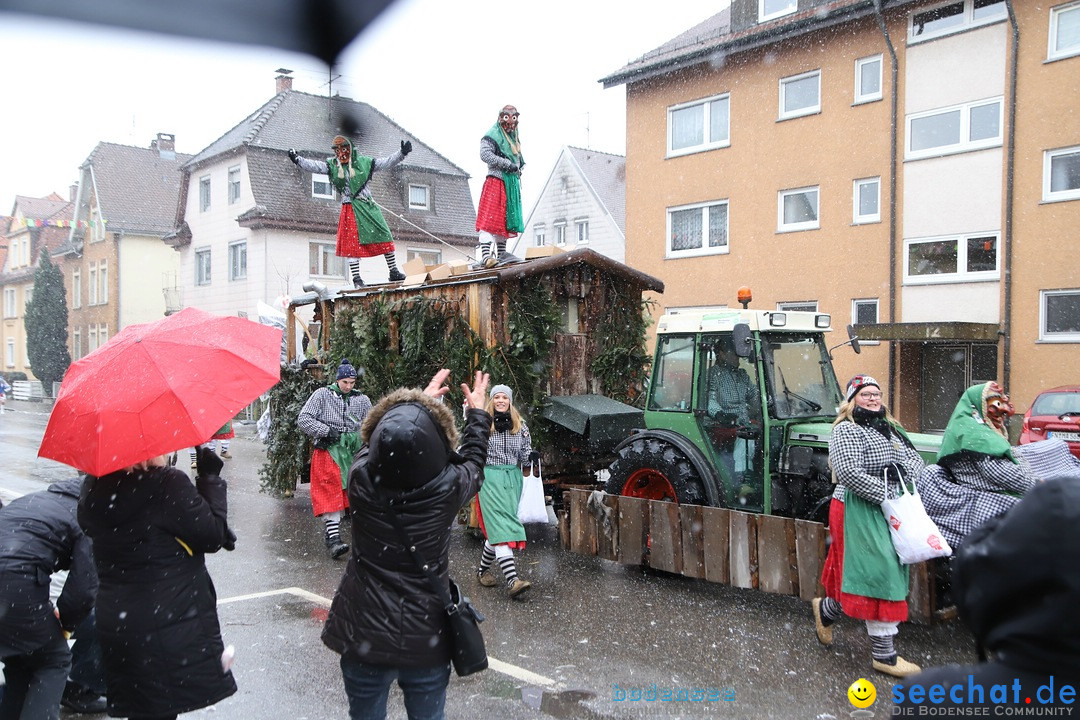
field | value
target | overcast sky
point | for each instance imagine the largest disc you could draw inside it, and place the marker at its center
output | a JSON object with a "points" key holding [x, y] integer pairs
{"points": [[439, 69]]}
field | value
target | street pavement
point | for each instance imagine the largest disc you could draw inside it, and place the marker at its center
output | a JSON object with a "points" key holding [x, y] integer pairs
{"points": [[591, 640]]}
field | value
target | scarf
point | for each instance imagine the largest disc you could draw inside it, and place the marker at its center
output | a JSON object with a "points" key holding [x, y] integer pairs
{"points": [[502, 421], [968, 429]]}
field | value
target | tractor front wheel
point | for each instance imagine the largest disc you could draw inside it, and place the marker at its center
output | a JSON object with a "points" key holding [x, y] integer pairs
{"points": [[652, 469]]}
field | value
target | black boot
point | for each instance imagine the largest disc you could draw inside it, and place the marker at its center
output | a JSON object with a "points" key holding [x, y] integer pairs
{"points": [[396, 275], [357, 282], [81, 699], [335, 546]]}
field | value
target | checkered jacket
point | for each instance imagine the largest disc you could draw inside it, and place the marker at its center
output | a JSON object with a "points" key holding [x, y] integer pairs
{"points": [[507, 449], [731, 392], [326, 411], [859, 456]]}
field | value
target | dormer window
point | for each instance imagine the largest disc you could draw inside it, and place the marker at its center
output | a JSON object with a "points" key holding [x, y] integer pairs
{"points": [[771, 9]]}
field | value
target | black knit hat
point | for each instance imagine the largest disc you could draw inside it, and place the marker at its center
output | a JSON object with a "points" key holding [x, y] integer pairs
{"points": [[345, 370]]}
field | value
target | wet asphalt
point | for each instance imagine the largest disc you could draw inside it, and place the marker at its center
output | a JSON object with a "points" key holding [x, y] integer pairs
{"points": [[590, 640]]}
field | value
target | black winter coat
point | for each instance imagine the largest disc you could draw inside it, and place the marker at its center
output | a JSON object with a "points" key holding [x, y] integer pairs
{"points": [[384, 611], [156, 607], [39, 535]]}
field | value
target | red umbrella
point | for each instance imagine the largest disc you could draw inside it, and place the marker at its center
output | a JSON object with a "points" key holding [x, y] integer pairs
{"points": [[159, 387]]}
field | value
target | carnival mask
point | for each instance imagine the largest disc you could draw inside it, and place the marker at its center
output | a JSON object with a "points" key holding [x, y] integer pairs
{"points": [[508, 119], [998, 407]]}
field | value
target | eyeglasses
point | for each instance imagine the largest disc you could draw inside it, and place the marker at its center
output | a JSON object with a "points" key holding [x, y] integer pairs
{"points": [[870, 395]]}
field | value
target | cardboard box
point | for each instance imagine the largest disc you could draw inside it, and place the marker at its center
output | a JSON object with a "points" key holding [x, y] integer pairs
{"points": [[415, 266], [459, 267], [414, 280], [439, 272], [543, 251]]}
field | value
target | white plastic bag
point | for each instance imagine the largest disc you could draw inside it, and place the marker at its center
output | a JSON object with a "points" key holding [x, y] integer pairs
{"points": [[915, 537], [531, 507], [263, 425]]}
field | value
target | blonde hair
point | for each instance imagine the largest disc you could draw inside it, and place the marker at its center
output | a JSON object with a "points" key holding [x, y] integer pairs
{"points": [[846, 413], [515, 416]]}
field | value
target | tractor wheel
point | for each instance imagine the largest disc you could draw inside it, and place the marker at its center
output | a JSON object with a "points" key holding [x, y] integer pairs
{"points": [[652, 469]]}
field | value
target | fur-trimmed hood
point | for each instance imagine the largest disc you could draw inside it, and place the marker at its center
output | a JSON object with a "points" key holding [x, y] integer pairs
{"points": [[410, 437]]}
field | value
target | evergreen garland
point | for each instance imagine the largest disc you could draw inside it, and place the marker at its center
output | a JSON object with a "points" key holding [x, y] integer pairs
{"points": [[621, 365], [287, 454]]}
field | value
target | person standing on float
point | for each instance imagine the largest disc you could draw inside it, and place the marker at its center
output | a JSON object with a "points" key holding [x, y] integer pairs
{"points": [[499, 214]]}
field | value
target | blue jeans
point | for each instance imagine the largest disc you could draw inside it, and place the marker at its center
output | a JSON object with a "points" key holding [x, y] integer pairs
{"points": [[368, 686]]}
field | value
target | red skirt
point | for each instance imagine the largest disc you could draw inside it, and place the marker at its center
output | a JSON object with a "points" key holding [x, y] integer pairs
{"points": [[348, 243], [327, 495], [832, 576], [491, 213]]}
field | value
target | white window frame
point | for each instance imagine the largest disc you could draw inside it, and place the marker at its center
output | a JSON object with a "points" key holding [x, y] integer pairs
{"points": [[319, 180], [199, 254], [204, 193], [961, 274], [10, 302], [855, 303], [327, 260], [92, 285], [76, 344], [9, 353], [966, 20], [860, 95], [238, 257], [814, 224], [560, 232], [708, 142], [91, 339], [76, 288], [581, 231], [539, 235], [97, 225], [856, 205], [801, 112], [103, 334], [1048, 162], [426, 204], [1058, 337], [792, 7], [430, 257], [797, 306], [234, 184], [103, 282], [965, 144], [1052, 51], [705, 248]]}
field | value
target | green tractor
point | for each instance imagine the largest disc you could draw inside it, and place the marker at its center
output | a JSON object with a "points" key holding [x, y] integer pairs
{"points": [[738, 414]]}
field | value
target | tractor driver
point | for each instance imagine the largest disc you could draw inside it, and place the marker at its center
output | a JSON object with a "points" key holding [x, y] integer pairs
{"points": [[734, 402]]}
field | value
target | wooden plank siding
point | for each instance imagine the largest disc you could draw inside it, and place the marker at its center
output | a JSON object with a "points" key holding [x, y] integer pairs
{"points": [[764, 552]]}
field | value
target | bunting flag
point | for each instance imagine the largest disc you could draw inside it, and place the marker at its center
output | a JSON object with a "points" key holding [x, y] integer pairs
{"points": [[34, 222]]}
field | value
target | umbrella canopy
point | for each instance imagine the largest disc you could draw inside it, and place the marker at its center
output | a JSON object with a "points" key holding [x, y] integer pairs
{"points": [[159, 387]]}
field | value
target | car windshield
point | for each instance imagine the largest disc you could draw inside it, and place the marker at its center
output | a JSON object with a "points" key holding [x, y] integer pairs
{"points": [[801, 379], [1057, 404]]}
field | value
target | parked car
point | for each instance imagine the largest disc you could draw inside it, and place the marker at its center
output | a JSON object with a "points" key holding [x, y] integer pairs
{"points": [[1055, 413]]}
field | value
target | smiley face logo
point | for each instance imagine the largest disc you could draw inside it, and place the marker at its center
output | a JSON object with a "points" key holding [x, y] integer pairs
{"points": [[861, 693]]}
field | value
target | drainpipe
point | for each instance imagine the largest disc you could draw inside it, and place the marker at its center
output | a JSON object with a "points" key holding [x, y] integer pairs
{"points": [[1010, 165], [894, 100]]}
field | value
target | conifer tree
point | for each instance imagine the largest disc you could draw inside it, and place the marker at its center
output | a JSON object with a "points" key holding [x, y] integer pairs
{"points": [[46, 324]]}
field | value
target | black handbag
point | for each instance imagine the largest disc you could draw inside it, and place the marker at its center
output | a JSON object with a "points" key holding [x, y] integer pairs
{"points": [[467, 651]]}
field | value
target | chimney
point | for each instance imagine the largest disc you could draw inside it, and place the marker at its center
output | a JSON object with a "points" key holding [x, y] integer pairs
{"points": [[73, 191], [283, 81], [165, 144]]}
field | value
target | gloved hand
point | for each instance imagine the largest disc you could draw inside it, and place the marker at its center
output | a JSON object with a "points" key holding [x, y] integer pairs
{"points": [[748, 432], [534, 455], [514, 169], [230, 539], [292, 155], [406, 147], [332, 437], [207, 462]]}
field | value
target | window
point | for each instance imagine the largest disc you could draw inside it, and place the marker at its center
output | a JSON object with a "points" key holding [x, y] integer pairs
{"points": [[321, 187], [28, 293], [323, 260], [798, 306], [234, 185], [1059, 315], [9, 353], [800, 95], [419, 197], [237, 260], [103, 334], [868, 79], [582, 230], [1064, 31], [698, 230], [866, 201], [76, 289], [9, 303], [1061, 174], [797, 210], [972, 126], [93, 285], [951, 259], [769, 9], [701, 125], [202, 266], [865, 312], [560, 232], [538, 236], [97, 225], [76, 344], [91, 339], [103, 283], [671, 385], [430, 257], [204, 193], [953, 17]]}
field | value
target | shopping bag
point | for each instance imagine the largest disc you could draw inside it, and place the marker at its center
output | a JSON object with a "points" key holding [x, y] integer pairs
{"points": [[531, 507], [915, 537]]}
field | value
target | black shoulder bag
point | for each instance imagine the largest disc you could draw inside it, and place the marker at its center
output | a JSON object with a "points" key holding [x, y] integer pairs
{"points": [[467, 651]]}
